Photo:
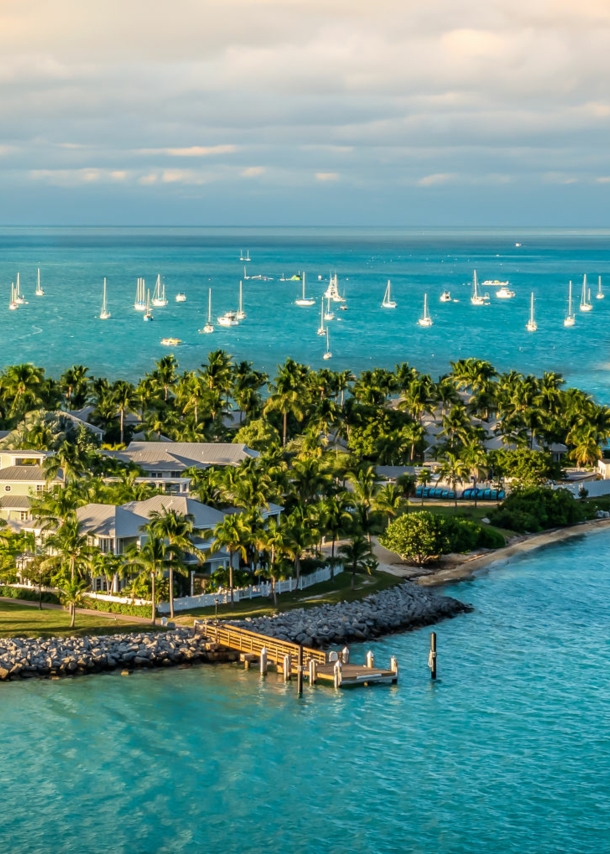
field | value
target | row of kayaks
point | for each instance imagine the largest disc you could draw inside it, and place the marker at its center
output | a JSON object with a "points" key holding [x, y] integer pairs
{"points": [[470, 493]]}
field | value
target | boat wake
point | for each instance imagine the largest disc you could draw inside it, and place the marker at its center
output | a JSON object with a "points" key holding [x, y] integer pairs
{"points": [[36, 331]]}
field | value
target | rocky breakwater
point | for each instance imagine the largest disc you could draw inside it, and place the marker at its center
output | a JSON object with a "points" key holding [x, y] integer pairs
{"points": [[23, 658], [399, 608]]}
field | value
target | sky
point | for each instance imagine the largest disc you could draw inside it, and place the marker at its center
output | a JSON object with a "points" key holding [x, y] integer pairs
{"points": [[305, 112]]}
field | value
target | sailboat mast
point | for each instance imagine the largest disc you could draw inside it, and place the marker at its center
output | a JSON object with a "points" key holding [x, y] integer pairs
{"points": [[210, 305], [241, 294], [570, 299]]}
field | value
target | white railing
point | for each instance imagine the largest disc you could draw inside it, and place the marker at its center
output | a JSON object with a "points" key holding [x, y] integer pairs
{"points": [[124, 600], [222, 597]]}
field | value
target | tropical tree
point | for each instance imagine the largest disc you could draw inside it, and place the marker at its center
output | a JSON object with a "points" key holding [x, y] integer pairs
{"points": [[357, 556], [234, 535], [151, 558], [123, 396], [71, 595], [68, 551], [453, 470], [177, 529]]}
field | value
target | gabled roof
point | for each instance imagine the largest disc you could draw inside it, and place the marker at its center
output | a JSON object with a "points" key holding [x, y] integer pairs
{"points": [[106, 520], [204, 517], [22, 502], [23, 473], [178, 456]]}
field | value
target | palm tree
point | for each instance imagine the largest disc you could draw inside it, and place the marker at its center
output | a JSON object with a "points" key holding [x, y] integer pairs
{"points": [[390, 501], [475, 459], [177, 530], [336, 518], [24, 385], [357, 555], [423, 479], [233, 535], [68, 551], [71, 594], [287, 395], [165, 374], [70, 458], [453, 470], [272, 540], [151, 559], [123, 396], [75, 383]]}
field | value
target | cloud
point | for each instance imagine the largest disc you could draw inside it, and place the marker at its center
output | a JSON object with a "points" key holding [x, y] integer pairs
{"points": [[252, 171], [435, 179], [603, 179], [192, 151], [327, 176]]}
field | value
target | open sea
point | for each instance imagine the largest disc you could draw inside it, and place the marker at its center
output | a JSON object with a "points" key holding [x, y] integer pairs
{"points": [[507, 752], [62, 328]]}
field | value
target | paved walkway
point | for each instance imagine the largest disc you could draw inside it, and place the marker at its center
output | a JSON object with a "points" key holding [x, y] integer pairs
{"points": [[91, 612]]}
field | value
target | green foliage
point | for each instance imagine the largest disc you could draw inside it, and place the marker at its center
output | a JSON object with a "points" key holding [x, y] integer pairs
{"points": [[258, 434], [117, 607], [525, 467], [423, 536], [536, 509], [417, 537], [29, 594]]}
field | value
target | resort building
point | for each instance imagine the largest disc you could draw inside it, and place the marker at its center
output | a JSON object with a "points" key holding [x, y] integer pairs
{"points": [[164, 463], [21, 477]]}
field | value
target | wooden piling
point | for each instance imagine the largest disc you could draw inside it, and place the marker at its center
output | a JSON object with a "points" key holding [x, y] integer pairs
{"points": [[300, 671], [370, 659], [432, 655], [287, 667], [263, 661], [313, 671], [337, 674]]}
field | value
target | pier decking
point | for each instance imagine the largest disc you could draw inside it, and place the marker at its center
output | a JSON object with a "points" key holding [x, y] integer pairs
{"points": [[291, 658]]}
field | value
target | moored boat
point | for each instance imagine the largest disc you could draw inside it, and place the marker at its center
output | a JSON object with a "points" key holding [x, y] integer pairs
{"points": [[531, 324]]}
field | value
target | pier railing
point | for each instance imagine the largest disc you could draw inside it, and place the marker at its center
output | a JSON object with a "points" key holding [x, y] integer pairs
{"points": [[246, 641]]}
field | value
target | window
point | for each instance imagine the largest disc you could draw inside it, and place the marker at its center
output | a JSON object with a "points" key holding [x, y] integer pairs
{"points": [[40, 487], [7, 488], [24, 516]]}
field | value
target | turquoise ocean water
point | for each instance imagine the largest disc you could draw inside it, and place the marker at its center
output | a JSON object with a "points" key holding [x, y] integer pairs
{"points": [[507, 752], [63, 328]]}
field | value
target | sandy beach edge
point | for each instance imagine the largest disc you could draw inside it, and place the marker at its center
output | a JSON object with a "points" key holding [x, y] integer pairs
{"points": [[467, 568]]}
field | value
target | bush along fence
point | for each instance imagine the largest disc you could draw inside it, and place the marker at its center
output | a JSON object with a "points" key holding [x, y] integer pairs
{"points": [[223, 597]]}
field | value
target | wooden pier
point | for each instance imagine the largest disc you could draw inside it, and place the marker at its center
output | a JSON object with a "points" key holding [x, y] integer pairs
{"points": [[291, 658]]}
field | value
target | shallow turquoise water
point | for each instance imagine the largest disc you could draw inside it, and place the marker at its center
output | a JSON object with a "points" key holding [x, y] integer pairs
{"points": [[508, 751], [63, 328]]}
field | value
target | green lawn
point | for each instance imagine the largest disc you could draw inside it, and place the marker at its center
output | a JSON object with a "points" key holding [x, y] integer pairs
{"points": [[23, 621], [326, 593]]}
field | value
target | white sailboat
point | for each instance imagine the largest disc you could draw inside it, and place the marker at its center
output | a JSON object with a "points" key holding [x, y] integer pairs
{"points": [[600, 294], [13, 304], [158, 298], [328, 314], [39, 291], [140, 303], [247, 258], [585, 297], [446, 296], [180, 297], [246, 276], [321, 327], [388, 302], [425, 319], [240, 314], [327, 353], [304, 300], [476, 298], [148, 315], [531, 324], [229, 318], [332, 291], [570, 318], [19, 298], [209, 326], [104, 313]]}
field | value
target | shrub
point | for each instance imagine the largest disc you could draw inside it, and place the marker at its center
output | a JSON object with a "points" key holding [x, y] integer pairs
{"points": [[418, 537], [117, 607], [538, 508], [30, 594]]}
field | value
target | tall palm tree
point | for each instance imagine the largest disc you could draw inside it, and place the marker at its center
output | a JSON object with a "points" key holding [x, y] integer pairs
{"points": [[453, 470], [71, 459], [165, 374], [24, 386], [233, 535], [123, 396], [357, 555], [75, 384], [177, 529], [475, 458], [150, 559], [71, 594], [287, 397], [68, 551], [390, 501]]}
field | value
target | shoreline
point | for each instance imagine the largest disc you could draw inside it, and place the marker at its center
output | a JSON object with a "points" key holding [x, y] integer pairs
{"points": [[472, 564]]}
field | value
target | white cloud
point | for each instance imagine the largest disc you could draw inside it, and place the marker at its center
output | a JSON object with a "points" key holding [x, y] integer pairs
{"points": [[435, 179], [327, 176], [252, 171], [192, 151]]}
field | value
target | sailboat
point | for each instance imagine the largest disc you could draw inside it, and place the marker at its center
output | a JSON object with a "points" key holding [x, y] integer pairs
{"points": [[446, 296], [104, 313], [585, 297], [388, 302], [158, 298], [476, 298], [13, 304], [328, 314], [332, 291], [240, 314], [140, 303], [19, 298], [39, 291], [570, 319], [242, 257], [600, 293], [148, 315], [425, 319], [531, 324], [304, 300], [246, 276], [247, 258], [321, 327], [209, 326], [327, 354]]}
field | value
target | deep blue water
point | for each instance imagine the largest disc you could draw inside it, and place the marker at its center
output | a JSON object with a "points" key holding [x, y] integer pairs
{"points": [[63, 328], [507, 752]]}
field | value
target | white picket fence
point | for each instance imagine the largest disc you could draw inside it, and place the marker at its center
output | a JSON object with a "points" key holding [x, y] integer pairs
{"points": [[222, 597]]}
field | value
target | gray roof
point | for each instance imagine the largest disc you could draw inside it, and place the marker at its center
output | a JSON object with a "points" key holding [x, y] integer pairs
{"points": [[106, 520], [28, 473], [204, 517], [178, 456], [18, 501]]}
